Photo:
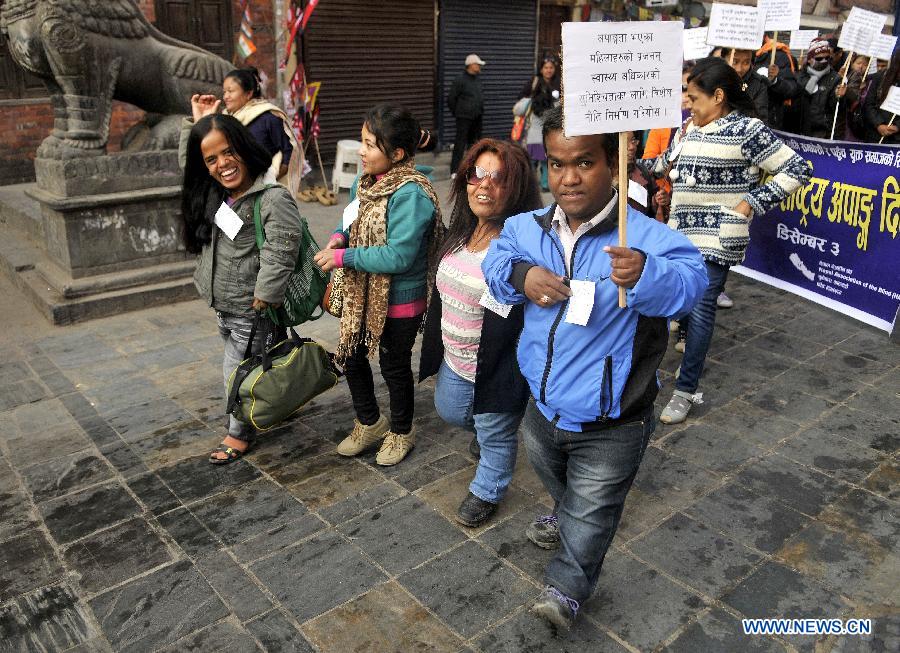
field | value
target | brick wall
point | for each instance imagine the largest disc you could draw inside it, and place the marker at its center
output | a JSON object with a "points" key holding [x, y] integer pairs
{"points": [[25, 123]]}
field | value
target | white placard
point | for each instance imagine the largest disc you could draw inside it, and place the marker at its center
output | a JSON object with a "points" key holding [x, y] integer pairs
{"points": [[621, 76], [891, 103], [859, 29], [882, 46], [695, 45], [801, 38], [735, 26], [856, 38], [228, 221], [781, 15]]}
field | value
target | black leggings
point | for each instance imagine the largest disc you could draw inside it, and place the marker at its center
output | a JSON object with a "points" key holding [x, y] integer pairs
{"points": [[395, 357]]}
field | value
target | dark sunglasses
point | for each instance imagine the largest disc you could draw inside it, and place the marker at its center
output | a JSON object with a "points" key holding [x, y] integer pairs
{"points": [[476, 175], [825, 58]]}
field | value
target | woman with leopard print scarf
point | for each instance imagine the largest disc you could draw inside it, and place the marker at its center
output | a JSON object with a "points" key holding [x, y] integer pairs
{"points": [[385, 253]]}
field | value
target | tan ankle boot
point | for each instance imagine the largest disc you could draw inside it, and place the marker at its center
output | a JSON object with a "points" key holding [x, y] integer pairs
{"points": [[363, 437], [395, 447]]}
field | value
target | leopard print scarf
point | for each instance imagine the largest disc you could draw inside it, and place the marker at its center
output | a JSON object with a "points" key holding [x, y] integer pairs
{"points": [[365, 294]]}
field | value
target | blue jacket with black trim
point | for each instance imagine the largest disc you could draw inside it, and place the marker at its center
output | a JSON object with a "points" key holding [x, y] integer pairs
{"points": [[602, 374]]}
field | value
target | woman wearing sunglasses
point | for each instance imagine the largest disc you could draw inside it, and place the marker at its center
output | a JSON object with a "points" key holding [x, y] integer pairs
{"points": [[469, 339]]}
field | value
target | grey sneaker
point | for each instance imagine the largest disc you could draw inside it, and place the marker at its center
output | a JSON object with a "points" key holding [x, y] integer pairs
{"points": [[724, 301], [544, 531], [676, 411], [556, 607]]}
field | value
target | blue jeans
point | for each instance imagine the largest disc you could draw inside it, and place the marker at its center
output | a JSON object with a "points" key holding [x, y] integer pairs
{"points": [[496, 433], [588, 475], [699, 324]]}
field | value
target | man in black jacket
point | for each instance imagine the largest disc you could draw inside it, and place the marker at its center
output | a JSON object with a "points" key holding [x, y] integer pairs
{"points": [[818, 83], [782, 79], [467, 106]]}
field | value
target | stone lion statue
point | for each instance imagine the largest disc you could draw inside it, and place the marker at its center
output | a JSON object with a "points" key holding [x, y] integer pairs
{"points": [[91, 52]]}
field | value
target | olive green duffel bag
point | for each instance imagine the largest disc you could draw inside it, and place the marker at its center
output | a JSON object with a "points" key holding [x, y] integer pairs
{"points": [[269, 387]]}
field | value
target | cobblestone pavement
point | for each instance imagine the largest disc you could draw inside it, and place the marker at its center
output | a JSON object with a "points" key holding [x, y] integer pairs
{"points": [[779, 497]]}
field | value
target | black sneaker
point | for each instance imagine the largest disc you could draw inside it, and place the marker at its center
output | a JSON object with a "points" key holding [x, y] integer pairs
{"points": [[556, 607], [473, 512], [475, 448], [544, 531]]}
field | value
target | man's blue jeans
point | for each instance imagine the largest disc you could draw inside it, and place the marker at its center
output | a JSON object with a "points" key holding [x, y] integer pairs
{"points": [[496, 433], [699, 324], [588, 475]]}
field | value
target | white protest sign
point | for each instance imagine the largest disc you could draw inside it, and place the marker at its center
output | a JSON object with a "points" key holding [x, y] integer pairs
{"points": [[891, 103], [695, 45], [882, 47], [856, 38], [621, 76], [735, 26], [873, 67], [781, 15], [860, 29], [801, 38]]}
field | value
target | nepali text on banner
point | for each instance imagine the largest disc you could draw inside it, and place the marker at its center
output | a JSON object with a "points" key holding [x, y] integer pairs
{"points": [[835, 240]]}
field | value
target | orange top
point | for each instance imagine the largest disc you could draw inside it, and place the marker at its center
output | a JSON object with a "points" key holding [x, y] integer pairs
{"points": [[657, 143]]}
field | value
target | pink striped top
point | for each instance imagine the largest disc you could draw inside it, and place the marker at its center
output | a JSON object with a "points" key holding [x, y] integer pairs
{"points": [[460, 283]]}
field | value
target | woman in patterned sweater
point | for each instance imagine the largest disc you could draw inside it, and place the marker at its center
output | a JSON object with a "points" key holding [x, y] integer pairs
{"points": [[469, 341], [717, 164]]}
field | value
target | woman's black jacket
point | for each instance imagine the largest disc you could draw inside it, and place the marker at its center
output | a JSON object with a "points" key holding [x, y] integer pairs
{"points": [[499, 386]]}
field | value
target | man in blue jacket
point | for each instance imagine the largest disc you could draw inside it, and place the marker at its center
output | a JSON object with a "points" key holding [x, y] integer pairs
{"points": [[591, 366]]}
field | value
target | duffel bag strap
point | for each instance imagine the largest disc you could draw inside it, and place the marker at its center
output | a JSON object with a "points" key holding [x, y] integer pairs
{"points": [[246, 366]]}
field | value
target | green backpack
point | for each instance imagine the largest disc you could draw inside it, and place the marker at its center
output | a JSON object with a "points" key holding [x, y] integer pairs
{"points": [[306, 285]]}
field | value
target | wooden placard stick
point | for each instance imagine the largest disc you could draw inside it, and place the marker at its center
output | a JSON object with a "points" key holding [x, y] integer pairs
{"points": [[890, 122], [731, 58], [837, 107], [623, 201], [774, 48]]}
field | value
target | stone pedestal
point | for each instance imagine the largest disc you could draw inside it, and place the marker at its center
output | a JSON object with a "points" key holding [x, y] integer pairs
{"points": [[111, 235]]}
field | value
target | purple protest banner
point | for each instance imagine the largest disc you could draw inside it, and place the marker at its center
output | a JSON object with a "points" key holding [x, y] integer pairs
{"points": [[835, 241]]}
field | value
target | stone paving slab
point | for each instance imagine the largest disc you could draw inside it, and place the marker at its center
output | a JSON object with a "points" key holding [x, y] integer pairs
{"points": [[779, 497]]}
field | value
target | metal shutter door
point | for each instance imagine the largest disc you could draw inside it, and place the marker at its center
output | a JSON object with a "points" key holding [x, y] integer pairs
{"points": [[370, 52], [502, 32]]}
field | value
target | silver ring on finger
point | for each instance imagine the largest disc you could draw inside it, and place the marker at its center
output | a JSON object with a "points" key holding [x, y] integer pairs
{"points": [[545, 299]]}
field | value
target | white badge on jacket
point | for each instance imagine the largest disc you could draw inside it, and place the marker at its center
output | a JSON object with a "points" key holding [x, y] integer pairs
{"points": [[581, 303], [487, 300], [351, 212], [637, 192], [228, 221]]}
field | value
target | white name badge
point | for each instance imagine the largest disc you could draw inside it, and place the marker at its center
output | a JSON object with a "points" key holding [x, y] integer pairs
{"points": [[581, 303], [675, 151], [487, 300], [228, 221], [351, 212], [637, 192]]}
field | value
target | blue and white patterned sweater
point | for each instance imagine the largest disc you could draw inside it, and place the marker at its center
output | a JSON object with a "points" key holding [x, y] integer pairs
{"points": [[728, 158]]}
